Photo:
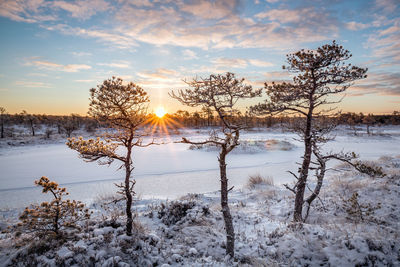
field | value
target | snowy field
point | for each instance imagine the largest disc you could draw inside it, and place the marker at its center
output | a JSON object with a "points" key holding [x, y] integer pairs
{"points": [[171, 170], [189, 231]]}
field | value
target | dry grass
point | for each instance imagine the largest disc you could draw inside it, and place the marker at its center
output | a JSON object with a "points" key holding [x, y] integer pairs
{"points": [[257, 180]]}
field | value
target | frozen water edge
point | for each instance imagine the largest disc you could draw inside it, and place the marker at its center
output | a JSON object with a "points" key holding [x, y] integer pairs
{"points": [[264, 234], [165, 171]]}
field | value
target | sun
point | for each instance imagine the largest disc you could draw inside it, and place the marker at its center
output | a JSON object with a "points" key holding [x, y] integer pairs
{"points": [[160, 112]]}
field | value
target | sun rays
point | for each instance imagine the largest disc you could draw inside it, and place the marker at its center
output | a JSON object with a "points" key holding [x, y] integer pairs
{"points": [[160, 112], [162, 123]]}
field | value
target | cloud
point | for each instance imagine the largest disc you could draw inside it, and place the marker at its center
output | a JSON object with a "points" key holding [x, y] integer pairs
{"points": [[385, 45], [175, 25], [239, 63], [161, 78], [81, 54], [230, 62], [85, 81], [308, 16], [38, 74], [118, 64], [59, 67], [260, 63], [25, 10], [388, 6], [383, 83], [120, 40], [277, 76], [189, 54], [201, 24], [355, 26], [82, 9], [139, 3], [30, 84], [210, 10]]}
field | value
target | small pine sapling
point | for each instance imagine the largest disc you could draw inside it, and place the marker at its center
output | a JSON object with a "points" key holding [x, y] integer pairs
{"points": [[359, 212], [54, 217]]}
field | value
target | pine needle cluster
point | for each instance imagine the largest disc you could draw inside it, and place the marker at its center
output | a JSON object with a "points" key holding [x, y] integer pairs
{"points": [[56, 216]]}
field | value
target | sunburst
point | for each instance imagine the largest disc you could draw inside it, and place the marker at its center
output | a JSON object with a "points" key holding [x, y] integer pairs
{"points": [[160, 112]]}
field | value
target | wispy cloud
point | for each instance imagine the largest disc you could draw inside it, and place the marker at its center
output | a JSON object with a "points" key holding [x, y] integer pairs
{"points": [[31, 84], [388, 6], [210, 9], [161, 78], [26, 10], [230, 62], [385, 44], [189, 54], [81, 54], [82, 9], [118, 64], [58, 67], [202, 24], [260, 63], [85, 81], [114, 37], [356, 26], [382, 83], [240, 63], [37, 74]]}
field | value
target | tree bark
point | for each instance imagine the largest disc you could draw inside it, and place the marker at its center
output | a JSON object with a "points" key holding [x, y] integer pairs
{"points": [[128, 193], [301, 183], [32, 128], [317, 189], [2, 130], [230, 232]]}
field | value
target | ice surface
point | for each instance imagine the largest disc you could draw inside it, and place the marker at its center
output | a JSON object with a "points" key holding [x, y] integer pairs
{"points": [[168, 170]]}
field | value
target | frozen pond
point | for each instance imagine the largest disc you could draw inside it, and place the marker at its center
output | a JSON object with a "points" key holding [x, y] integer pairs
{"points": [[164, 171]]}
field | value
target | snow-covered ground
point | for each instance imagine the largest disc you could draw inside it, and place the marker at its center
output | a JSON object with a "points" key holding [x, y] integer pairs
{"points": [[190, 231], [262, 214]]}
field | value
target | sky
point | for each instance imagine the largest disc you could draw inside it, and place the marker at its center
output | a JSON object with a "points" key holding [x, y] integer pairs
{"points": [[53, 52]]}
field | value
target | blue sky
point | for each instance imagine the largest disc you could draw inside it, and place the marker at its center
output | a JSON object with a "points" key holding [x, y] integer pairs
{"points": [[53, 52]]}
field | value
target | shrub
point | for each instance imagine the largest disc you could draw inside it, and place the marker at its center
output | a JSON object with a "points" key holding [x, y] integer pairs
{"points": [[257, 179], [359, 212], [172, 213], [373, 171], [52, 218]]}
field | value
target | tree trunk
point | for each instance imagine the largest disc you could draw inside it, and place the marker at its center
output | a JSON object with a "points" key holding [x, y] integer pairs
{"points": [[368, 129], [128, 193], [301, 183], [32, 128], [2, 130], [317, 189], [230, 232]]}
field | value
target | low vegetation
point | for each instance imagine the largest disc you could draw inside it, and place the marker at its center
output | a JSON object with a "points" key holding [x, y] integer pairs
{"points": [[54, 217]]}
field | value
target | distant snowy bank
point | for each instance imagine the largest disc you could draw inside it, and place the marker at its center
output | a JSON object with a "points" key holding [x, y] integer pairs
{"points": [[342, 230], [251, 146]]}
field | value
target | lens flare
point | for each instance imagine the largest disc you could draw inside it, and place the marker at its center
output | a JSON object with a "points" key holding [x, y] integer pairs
{"points": [[160, 112]]}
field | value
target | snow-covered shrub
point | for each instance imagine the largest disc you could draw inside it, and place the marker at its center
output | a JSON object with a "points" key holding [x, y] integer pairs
{"points": [[359, 212], [173, 212], [369, 169], [52, 218], [257, 179]]}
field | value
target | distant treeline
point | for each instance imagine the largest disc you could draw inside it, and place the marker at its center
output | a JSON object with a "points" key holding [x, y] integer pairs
{"points": [[51, 124], [204, 118]]}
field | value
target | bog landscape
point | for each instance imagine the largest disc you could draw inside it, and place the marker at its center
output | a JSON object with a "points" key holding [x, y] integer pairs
{"points": [[290, 159]]}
